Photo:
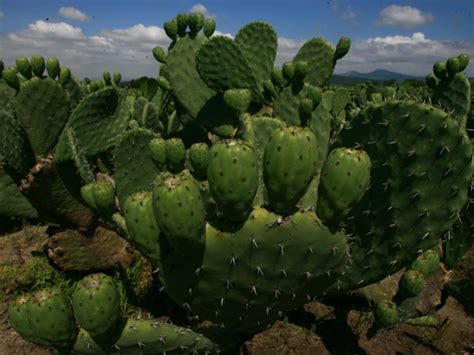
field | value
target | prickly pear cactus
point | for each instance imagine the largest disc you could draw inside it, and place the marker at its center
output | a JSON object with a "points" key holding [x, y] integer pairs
{"points": [[96, 303]]}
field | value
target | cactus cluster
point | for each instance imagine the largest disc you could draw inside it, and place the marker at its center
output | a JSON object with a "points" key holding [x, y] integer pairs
{"points": [[250, 189]]}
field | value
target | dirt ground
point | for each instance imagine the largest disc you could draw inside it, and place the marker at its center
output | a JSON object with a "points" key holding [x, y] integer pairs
{"points": [[338, 326]]}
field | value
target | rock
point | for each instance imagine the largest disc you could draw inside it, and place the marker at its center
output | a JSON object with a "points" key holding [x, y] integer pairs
{"points": [[71, 250], [285, 338]]}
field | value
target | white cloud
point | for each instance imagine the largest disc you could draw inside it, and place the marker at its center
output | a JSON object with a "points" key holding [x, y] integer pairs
{"points": [[129, 50], [1, 15], [287, 48], [137, 33], [73, 14], [404, 16], [413, 54], [201, 9]]}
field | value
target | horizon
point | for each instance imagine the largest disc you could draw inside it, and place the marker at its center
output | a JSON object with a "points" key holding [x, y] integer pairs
{"points": [[91, 37]]}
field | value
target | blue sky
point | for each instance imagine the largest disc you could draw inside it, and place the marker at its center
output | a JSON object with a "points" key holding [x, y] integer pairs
{"points": [[91, 35]]}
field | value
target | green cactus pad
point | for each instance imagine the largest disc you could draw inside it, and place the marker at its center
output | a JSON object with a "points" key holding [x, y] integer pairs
{"points": [[344, 179], [188, 87], [14, 203], [98, 121], [287, 104], [20, 319], [52, 318], [222, 66], [147, 337], [286, 183], [15, 148], [233, 177], [141, 225], [198, 155], [386, 313], [454, 96], [179, 209], [258, 43], [42, 107], [404, 213], [104, 197], [411, 284], [135, 168], [319, 55], [459, 240], [248, 274], [54, 191]]}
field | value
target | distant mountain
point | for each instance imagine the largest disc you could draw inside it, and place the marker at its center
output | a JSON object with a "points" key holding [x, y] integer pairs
{"points": [[379, 75]]}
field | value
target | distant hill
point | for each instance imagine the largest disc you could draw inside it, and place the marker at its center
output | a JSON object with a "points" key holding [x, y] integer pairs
{"points": [[381, 75], [354, 77]]}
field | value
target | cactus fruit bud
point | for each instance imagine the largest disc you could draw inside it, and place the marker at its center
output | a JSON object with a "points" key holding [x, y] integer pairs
{"points": [[315, 94], [277, 77], [164, 83], [452, 66], [198, 155], [10, 77], [195, 22], [344, 179], [38, 65], [96, 303], [463, 61], [306, 107], [87, 194], [286, 184], [431, 81], [104, 196], [301, 69], [107, 78], [427, 263], [159, 54], [269, 88], [157, 148], [175, 154], [342, 47], [64, 75], [182, 23], [53, 68], [233, 177], [24, 67], [117, 78], [179, 209], [439, 69], [171, 28], [238, 99], [288, 71], [411, 284], [386, 313], [209, 27]]}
